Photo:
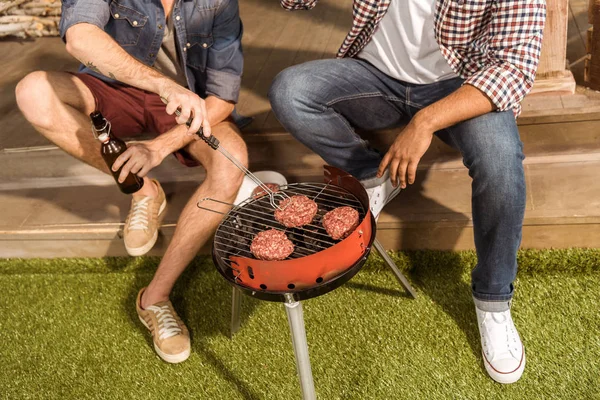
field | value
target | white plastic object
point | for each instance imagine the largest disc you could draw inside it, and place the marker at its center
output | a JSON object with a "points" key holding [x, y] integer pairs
{"points": [[248, 185]]}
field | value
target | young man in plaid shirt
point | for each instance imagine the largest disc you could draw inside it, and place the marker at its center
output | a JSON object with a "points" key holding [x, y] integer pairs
{"points": [[457, 69]]}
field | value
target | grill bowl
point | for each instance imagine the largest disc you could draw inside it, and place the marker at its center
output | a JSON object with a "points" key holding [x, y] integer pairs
{"points": [[319, 264]]}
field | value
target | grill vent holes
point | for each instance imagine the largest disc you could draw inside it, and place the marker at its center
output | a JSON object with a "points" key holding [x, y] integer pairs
{"points": [[319, 280], [250, 273], [263, 286], [291, 286]]}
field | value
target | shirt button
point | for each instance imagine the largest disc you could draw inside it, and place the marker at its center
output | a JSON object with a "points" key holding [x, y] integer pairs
{"points": [[204, 45], [184, 49], [178, 18], [134, 23], [188, 45], [116, 15], [159, 26]]}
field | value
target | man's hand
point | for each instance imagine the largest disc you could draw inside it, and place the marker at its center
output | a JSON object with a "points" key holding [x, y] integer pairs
{"points": [[190, 105], [403, 157], [405, 153], [138, 159]]}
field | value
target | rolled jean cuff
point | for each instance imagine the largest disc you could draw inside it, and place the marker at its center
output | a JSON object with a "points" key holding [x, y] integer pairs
{"points": [[492, 305], [369, 183]]}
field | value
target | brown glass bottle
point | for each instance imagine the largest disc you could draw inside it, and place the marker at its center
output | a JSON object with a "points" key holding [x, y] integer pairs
{"points": [[112, 148]]}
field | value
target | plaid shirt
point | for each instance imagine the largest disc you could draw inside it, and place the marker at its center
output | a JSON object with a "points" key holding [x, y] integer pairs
{"points": [[494, 45]]}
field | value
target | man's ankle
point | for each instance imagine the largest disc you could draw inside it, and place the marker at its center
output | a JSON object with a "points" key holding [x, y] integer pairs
{"points": [[148, 190], [149, 298]]}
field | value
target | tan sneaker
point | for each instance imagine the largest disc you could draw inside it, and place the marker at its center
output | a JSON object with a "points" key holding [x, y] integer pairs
{"points": [[141, 227], [170, 335]]}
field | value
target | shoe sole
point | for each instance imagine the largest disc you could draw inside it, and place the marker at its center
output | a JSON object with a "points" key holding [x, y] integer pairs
{"points": [[504, 377], [170, 358], [140, 251]]}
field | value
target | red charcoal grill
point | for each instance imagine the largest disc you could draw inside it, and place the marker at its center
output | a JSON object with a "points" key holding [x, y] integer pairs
{"points": [[319, 264]]}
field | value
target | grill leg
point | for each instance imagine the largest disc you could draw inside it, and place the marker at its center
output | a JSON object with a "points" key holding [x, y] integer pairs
{"points": [[296, 322], [388, 260], [236, 305]]}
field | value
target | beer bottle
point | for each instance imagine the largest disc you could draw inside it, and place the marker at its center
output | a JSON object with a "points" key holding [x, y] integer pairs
{"points": [[113, 147]]}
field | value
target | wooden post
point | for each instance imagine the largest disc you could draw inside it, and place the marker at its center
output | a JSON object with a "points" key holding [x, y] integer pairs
{"points": [[593, 47], [552, 74]]}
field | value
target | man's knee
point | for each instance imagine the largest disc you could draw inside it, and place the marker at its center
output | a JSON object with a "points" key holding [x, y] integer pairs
{"points": [[33, 94], [494, 156], [491, 145], [290, 88], [223, 171]]}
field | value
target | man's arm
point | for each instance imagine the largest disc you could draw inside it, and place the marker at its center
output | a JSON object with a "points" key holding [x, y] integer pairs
{"points": [[516, 30], [514, 52], [97, 50], [225, 61], [405, 153], [140, 158]]}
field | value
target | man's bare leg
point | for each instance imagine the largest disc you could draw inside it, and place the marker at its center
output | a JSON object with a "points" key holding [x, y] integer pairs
{"points": [[195, 226], [58, 105]]}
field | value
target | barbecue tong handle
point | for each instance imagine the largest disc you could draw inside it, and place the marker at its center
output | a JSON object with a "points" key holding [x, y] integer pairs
{"points": [[212, 141]]}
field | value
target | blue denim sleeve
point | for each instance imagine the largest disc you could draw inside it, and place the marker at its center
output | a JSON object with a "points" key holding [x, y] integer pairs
{"points": [[225, 60], [95, 12]]}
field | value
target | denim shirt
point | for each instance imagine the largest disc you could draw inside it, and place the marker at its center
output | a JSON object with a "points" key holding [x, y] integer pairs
{"points": [[209, 34]]}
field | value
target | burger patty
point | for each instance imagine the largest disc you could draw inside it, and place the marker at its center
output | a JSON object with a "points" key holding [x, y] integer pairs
{"points": [[340, 222], [271, 245], [259, 191], [296, 211]]}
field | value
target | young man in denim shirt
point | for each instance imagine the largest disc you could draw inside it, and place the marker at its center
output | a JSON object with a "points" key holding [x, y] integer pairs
{"points": [[134, 56], [454, 68]]}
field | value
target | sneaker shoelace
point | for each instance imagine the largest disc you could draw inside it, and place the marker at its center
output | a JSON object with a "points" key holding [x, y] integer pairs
{"points": [[139, 214], [167, 325], [501, 335]]}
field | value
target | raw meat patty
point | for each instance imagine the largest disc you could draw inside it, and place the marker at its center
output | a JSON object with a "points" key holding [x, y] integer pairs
{"points": [[259, 191], [340, 222], [271, 245], [298, 211]]}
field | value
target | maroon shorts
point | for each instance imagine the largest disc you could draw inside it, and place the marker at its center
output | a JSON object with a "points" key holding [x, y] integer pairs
{"points": [[133, 112]]}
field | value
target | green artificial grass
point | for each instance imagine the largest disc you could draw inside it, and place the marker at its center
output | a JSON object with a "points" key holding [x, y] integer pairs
{"points": [[69, 330]]}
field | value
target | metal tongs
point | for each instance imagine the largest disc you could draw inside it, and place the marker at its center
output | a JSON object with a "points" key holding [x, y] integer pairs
{"points": [[214, 143]]}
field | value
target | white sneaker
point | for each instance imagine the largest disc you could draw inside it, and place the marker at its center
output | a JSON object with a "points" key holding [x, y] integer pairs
{"points": [[501, 347], [380, 195], [248, 184]]}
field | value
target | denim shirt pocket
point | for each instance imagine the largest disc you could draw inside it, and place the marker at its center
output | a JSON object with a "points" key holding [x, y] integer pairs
{"points": [[197, 51], [126, 24]]}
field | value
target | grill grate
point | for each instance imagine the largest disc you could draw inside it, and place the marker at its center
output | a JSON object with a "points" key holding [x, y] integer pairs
{"points": [[242, 223]]}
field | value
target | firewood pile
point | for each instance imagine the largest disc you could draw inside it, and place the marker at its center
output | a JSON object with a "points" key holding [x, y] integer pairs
{"points": [[29, 18]]}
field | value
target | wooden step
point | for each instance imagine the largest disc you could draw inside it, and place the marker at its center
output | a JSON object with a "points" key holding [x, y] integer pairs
{"points": [[563, 210], [571, 130]]}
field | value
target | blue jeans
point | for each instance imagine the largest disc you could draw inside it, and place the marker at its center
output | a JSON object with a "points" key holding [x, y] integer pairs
{"points": [[321, 103]]}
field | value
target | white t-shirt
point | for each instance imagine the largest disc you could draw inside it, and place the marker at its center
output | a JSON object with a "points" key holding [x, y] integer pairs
{"points": [[167, 59], [404, 45]]}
